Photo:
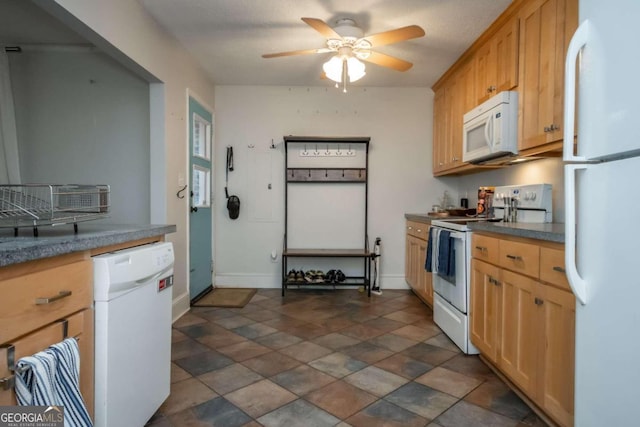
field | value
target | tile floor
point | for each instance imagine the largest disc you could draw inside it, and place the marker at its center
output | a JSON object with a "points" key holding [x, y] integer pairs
{"points": [[329, 358]]}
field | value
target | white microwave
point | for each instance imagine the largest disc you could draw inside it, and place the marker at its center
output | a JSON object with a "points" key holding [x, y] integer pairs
{"points": [[490, 130]]}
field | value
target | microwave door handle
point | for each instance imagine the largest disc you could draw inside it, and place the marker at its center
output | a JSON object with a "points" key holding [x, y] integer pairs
{"points": [[488, 131]]}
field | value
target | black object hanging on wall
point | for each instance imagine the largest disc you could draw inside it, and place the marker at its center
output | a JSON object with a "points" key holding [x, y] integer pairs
{"points": [[233, 202]]}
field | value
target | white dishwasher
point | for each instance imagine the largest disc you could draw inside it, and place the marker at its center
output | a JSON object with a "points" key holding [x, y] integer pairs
{"points": [[133, 299]]}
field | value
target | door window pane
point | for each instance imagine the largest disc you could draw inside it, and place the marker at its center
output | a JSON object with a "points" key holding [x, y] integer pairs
{"points": [[201, 187], [201, 137]]}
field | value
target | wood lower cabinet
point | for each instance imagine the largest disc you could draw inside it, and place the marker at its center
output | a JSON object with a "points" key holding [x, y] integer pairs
{"points": [[523, 319], [415, 255], [44, 302]]}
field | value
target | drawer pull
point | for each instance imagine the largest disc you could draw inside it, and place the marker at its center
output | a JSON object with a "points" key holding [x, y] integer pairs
{"points": [[7, 383], [61, 294], [494, 281], [538, 301], [419, 231], [410, 228], [559, 269], [514, 257], [481, 248]]}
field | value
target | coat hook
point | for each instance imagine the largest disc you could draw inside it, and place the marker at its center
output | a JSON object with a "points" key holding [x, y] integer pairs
{"points": [[343, 173], [178, 194], [309, 173], [272, 146], [326, 173], [251, 146]]}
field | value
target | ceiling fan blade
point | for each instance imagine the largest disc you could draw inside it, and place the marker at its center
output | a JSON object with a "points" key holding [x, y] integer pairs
{"points": [[322, 27], [395, 36], [297, 52], [388, 61]]}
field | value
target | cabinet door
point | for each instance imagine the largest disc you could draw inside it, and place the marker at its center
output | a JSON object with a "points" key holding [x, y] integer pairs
{"points": [[440, 129], [496, 62], [463, 100], [425, 287], [557, 353], [519, 352], [484, 313], [546, 27], [412, 263]]}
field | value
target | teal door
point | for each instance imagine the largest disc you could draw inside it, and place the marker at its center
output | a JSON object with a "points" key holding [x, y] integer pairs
{"points": [[200, 218]]}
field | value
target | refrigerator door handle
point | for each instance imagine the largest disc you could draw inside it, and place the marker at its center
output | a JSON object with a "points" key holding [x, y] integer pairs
{"points": [[578, 41], [577, 283]]}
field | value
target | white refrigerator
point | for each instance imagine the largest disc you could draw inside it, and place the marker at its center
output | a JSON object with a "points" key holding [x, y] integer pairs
{"points": [[602, 208]]}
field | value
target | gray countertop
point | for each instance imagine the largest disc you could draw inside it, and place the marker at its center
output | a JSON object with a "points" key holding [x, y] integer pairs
{"points": [[552, 232], [54, 241]]}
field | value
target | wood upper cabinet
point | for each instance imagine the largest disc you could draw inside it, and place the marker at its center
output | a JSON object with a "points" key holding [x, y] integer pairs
{"points": [[496, 62], [546, 27], [451, 101]]}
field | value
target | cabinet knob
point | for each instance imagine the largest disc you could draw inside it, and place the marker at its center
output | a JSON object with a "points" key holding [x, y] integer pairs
{"points": [[410, 227], [559, 269], [551, 128], [538, 301], [419, 231], [491, 89], [481, 248], [493, 281]]}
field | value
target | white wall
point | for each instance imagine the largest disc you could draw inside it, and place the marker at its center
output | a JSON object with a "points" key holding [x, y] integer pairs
{"points": [[547, 171], [84, 119], [399, 122], [125, 31]]}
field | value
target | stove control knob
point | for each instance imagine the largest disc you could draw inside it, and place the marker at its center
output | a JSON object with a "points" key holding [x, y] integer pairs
{"points": [[533, 195]]}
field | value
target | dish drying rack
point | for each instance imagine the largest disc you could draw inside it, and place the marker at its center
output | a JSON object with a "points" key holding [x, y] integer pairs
{"points": [[33, 205]]}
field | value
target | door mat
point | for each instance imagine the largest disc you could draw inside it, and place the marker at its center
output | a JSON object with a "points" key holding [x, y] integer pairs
{"points": [[226, 297]]}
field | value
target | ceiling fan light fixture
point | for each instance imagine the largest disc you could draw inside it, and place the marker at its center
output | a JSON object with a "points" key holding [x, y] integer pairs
{"points": [[355, 69], [333, 68]]}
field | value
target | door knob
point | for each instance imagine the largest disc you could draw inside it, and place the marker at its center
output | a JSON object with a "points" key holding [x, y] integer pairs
{"points": [[194, 209]]}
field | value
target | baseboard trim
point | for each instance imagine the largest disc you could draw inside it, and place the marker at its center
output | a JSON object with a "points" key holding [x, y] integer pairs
{"points": [[180, 307], [267, 281]]}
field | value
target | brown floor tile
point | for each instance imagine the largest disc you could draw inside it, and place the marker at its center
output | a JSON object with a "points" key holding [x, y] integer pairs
{"points": [[259, 398], [362, 332], [185, 394], [497, 397], [221, 339], [271, 363], [307, 331], [385, 325], [404, 366], [393, 342], [421, 400], [298, 413], [429, 354], [254, 330], [443, 341], [464, 414], [186, 348], [231, 378], [416, 333], [367, 352], [234, 322], [302, 379], [470, 366], [450, 382], [244, 350], [385, 414], [404, 317], [262, 315], [278, 340], [178, 374], [338, 365], [306, 351], [341, 399], [177, 336], [335, 323], [188, 320], [376, 381], [335, 341]]}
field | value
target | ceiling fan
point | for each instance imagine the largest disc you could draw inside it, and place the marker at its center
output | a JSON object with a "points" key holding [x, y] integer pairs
{"points": [[347, 41]]}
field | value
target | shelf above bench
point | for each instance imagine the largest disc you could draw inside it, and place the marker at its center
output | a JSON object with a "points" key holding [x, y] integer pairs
{"points": [[328, 253], [333, 175]]}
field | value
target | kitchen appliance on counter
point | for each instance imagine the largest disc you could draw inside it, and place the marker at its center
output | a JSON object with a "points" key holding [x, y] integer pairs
{"points": [[601, 242], [452, 289], [490, 130], [523, 203]]}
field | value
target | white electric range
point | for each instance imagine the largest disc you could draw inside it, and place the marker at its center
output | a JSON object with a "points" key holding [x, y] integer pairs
{"points": [[451, 291]]}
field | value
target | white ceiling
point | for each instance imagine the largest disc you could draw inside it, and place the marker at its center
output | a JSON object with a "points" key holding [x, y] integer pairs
{"points": [[229, 36]]}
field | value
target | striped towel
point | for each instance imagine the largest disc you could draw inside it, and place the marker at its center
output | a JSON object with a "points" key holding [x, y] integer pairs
{"points": [[51, 377]]}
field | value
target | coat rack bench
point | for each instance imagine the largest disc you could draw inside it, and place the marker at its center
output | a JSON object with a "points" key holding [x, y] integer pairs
{"points": [[330, 146]]}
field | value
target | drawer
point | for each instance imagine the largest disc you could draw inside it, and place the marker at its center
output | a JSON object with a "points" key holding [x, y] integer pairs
{"points": [[79, 325], [418, 229], [552, 267], [485, 248], [33, 300], [523, 258]]}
